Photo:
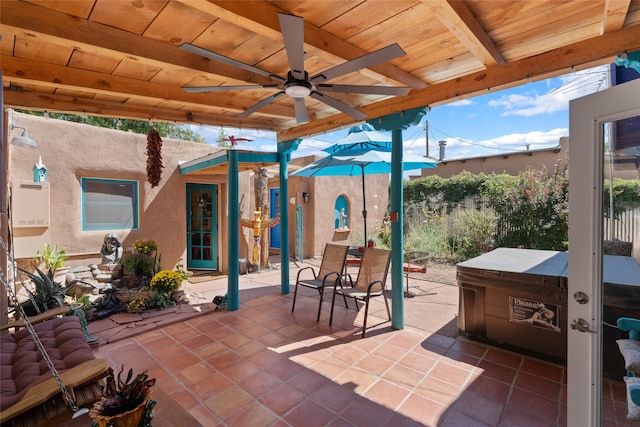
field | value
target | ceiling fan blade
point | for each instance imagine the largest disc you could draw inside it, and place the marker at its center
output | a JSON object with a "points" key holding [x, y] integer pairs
{"points": [[301, 110], [259, 105], [366, 61], [220, 58], [193, 89], [292, 28], [338, 105], [372, 90]]}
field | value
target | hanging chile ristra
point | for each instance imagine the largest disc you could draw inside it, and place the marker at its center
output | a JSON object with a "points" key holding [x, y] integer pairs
{"points": [[154, 157]]}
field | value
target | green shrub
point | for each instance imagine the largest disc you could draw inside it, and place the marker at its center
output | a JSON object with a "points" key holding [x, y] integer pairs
{"points": [[473, 233], [429, 237], [533, 210], [139, 264]]}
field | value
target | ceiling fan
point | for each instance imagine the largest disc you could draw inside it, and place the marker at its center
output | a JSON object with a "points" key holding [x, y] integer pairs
{"points": [[298, 84]]}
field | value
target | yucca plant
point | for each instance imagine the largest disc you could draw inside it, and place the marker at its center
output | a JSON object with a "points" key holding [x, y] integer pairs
{"points": [[47, 294]]}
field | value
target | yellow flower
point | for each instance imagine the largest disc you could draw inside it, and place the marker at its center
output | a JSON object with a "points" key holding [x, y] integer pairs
{"points": [[166, 281], [145, 246]]}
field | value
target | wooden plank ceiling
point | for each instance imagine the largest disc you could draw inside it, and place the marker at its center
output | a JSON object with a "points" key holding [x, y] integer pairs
{"points": [[122, 59]]}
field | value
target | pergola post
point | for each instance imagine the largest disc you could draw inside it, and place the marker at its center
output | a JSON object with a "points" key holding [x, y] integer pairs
{"points": [[284, 153], [396, 123], [234, 231]]}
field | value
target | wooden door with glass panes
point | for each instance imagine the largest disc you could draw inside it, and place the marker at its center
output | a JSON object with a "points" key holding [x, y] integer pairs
{"points": [[202, 227]]}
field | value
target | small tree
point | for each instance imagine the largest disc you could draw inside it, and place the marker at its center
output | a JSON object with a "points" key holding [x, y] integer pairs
{"points": [[223, 139]]}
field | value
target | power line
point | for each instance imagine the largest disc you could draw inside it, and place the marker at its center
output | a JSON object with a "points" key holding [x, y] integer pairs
{"points": [[475, 144]]}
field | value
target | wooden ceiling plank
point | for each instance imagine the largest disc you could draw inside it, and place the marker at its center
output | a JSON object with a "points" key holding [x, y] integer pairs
{"points": [[545, 37], [462, 23], [600, 48], [64, 30], [57, 76], [79, 8], [77, 105], [560, 16], [178, 23], [261, 17], [132, 16], [366, 16], [614, 14], [28, 46]]}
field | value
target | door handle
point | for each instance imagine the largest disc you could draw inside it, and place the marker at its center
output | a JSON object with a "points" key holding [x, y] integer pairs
{"points": [[581, 325]]}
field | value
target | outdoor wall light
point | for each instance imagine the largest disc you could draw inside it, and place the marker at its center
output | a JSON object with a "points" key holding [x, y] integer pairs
{"points": [[23, 140], [305, 197]]}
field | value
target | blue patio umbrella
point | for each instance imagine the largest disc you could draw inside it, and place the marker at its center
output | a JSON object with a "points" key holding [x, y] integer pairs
{"points": [[360, 139], [369, 162]]}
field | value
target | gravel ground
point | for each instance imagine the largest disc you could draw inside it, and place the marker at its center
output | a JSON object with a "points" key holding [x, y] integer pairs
{"points": [[439, 273]]}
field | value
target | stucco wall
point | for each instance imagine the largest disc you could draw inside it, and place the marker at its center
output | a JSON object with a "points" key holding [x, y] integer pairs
{"points": [[514, 163], [71, 151], [318, 213], [511, 163]]}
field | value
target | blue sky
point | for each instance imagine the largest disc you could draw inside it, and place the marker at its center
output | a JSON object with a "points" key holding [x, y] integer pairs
{"points": [[500, 122]]}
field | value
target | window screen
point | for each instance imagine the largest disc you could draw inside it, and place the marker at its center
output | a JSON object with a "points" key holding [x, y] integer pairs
{"points": [[109, 204]]}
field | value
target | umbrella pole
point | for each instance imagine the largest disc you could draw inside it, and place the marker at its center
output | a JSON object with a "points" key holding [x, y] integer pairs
{"points": [[364, 207]]}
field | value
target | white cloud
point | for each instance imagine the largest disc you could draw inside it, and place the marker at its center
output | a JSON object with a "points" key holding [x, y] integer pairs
{"points": [[573, 86], [459, 149], [526, 105], [462, 103]]}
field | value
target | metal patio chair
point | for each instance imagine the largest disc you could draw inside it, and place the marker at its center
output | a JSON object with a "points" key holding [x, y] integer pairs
{"points": [[371, 282], [331, 269]]}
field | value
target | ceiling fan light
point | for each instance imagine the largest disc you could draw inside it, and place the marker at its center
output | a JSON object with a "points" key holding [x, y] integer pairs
{"points": [[298, 89]]}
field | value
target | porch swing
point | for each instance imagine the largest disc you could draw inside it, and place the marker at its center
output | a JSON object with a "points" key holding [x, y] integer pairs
{"points": [[30, 392]]}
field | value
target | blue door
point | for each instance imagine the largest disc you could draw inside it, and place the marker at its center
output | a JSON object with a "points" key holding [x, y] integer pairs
{"points": [[274, 211], [202, 227]]}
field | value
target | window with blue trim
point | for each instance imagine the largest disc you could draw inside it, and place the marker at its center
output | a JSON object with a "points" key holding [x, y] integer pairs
{"points": [[109, 204]]}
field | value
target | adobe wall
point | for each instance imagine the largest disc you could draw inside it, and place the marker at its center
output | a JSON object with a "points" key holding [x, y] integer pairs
{"points": [[318, 213], [71, 151]]}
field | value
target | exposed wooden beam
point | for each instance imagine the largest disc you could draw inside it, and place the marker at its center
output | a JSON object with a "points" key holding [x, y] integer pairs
{"points": [[55, 76], [614, 14], [61, 29], [458, 18], [74, 105], [600, 49], [262, 17]]}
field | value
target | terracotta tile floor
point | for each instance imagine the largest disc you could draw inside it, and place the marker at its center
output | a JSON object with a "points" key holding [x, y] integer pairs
{"points": [[265, 366]]}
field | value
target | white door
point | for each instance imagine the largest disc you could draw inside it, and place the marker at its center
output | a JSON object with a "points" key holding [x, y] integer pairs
{"points": [[590, 119]]}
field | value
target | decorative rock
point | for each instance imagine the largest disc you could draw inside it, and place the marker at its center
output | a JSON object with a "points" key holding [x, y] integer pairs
{"points": [[104, 278], [110, 267], [80, 288], [79, 269]]}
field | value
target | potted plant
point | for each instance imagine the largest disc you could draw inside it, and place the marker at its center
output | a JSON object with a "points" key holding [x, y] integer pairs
{"points": [[87, 306], [52, 256], [168, 282], [146, 246], [47, 294], [138, 264], [124, 403], [53, 259]]}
